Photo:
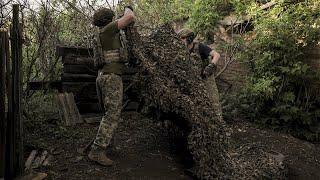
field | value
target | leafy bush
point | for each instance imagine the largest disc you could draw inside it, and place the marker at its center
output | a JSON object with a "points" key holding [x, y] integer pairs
{"points": [[279, 92], [206, 13]]}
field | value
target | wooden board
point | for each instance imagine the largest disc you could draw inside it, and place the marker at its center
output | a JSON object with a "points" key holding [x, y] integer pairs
{"points": [[62, 51], [70, 59], [68, 110], [79, 69], [67, 77]]}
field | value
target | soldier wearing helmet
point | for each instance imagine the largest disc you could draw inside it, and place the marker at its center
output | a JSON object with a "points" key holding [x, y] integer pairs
{"points": [[110, 64], [209, 59]]}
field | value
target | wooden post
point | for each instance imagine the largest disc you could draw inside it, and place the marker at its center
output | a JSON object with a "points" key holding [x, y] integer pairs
{"points": [[2, 99], [14, 151], [17, 88], [8, 66]]}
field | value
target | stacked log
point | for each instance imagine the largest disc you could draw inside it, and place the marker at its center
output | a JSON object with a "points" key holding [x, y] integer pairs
{"points": [[79, 77]]}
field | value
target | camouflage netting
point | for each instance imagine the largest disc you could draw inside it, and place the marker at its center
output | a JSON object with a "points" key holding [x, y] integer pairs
{"points": [[251, 162], [172, 82]]}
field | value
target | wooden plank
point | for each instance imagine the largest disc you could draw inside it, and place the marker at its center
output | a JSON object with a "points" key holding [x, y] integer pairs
{"points": [[9, 169], [79, 69], [63, 111], [30, 159], [76, 117], [3, 121], [69, 112], [75, 60], [62, 51], [67, 77], [8, 67]]}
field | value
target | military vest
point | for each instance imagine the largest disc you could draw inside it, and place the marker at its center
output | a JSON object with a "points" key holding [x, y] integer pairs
{"points": [[110, 57], [195, 51]]}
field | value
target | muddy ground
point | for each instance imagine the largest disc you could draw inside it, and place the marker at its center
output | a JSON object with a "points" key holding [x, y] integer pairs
{"points": [[143, 149]]}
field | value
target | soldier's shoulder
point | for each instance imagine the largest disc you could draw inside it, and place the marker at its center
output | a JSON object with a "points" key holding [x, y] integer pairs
{"points": [[111, 27]]}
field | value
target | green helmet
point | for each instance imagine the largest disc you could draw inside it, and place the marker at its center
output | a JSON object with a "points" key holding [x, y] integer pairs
{"points": [[102, 17], [185, 32]]}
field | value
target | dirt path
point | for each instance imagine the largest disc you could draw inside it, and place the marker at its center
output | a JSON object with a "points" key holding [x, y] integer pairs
{"points": [[141, 150]]}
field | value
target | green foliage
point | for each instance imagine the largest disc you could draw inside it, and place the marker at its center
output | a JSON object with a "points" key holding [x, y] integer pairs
{"points": [[279, 89], [155, 12], [201, 15], [206, 13]]}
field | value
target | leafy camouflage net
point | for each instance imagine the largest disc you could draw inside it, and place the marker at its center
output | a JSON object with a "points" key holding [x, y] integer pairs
{"points": [[251, 162], [172, 82]]}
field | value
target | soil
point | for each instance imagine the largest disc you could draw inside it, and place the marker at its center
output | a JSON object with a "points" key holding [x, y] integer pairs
{"points": [[142, 149], [302, 158]]}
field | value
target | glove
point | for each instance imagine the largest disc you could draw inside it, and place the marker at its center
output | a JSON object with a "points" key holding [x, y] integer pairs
{"points": [[208, 71], [129, 7]]}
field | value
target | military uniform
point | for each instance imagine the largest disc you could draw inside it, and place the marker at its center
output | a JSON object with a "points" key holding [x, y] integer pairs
{"points": [[210, 81], [109, 82]]}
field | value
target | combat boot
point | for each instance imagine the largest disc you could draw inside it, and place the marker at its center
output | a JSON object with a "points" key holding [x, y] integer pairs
{"points": [[98, 155]]}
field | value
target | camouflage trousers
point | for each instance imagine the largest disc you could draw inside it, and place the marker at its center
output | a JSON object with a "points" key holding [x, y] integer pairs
{"points": [[212, 89], [110, 93]]}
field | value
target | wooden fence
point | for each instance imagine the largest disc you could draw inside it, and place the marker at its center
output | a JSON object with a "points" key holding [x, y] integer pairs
{"points": [[11, 142]]}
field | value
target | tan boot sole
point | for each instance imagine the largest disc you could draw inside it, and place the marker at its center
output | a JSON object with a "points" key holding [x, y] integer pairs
{"points": [[99, 161]]}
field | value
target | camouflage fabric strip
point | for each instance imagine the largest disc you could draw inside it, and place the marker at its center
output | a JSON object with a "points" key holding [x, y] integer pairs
{"points": [[214, 94]]}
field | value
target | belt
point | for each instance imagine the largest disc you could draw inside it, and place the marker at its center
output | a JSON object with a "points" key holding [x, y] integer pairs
{"points": [[111, 56]]}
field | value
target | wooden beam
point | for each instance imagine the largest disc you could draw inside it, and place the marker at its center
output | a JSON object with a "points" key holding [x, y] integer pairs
{"points": [[78, 51], [14, 150], [67, 77], [78, 60], [79, 69], [3, 121]]}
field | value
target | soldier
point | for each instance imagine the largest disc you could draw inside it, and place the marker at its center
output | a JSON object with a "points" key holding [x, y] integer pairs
{"points": [[209, 59], [111, 64]]}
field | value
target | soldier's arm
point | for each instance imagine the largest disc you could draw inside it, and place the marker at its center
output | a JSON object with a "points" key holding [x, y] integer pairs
{"points": [[98, 60], [126, 19]]}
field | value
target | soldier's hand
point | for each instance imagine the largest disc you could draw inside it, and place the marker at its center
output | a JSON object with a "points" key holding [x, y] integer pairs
{"points": [[208, 71]]}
